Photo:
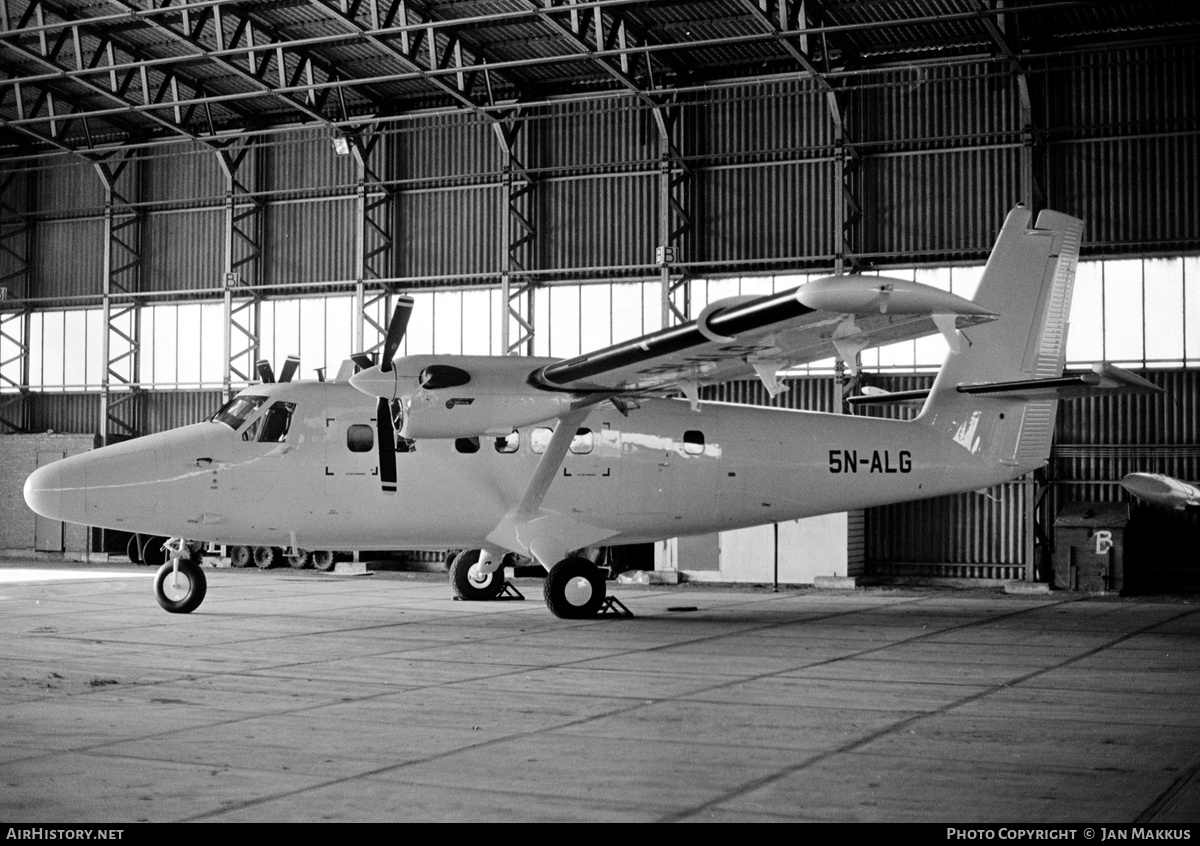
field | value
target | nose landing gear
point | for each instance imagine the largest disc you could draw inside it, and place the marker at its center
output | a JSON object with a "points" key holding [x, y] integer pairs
{"points": [[180, 585]]}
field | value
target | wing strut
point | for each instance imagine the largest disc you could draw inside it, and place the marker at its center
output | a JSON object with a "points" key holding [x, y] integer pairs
{"points": [[546, 534]]}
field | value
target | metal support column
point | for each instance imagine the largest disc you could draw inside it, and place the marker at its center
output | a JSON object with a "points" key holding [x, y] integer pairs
{"points": [[674, 220], [847, 215], [121, 341], [374, 260], [16, 252], [517, 235], [243, 252]]}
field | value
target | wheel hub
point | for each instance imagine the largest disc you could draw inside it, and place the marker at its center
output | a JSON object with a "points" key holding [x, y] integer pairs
{"points": [[578, 591]]}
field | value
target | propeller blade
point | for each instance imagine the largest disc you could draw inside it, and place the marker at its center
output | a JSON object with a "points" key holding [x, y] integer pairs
{"points": [[320, 374], [364, 360], [265, 374], [387, 445], [395, 334], [290, 366]]}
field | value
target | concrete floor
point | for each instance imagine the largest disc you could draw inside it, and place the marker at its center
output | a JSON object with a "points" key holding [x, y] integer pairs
{"points": [[298, 696]]}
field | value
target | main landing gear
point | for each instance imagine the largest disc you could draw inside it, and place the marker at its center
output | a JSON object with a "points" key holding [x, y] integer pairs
{"points": [[574, 589]]}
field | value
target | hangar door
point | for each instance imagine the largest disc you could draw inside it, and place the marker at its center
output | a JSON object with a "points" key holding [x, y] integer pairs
{"points": [[47, 533]]}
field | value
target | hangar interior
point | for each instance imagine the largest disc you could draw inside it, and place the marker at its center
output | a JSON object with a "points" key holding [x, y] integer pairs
{"points": [[189, 187]]}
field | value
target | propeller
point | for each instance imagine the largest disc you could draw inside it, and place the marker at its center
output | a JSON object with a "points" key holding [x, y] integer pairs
{"points": [[385, 430], [266, 374]]}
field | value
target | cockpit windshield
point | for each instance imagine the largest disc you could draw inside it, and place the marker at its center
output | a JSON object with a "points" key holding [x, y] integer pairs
{"points": [[235, 412]]}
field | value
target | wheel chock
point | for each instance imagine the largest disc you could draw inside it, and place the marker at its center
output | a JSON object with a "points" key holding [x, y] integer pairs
{"points": [[510, 592], [613, 607]]}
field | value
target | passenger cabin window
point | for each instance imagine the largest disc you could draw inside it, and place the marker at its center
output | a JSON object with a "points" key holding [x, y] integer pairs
{"points": [[693, 442], [276, 422], [466, 445], [539, 439], [510, 443], [237, 411], [360, 438], [583, 442]]}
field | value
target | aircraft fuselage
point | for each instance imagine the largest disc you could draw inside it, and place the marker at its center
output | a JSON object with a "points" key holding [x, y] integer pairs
{"points": [[662, 471]]}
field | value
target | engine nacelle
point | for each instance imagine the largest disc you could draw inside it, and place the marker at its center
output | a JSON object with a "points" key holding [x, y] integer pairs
{"points": [[459, 396], [456, 413]]}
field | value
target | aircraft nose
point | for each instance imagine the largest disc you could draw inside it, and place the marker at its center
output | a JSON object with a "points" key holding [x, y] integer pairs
{"points": [[43, 491]]}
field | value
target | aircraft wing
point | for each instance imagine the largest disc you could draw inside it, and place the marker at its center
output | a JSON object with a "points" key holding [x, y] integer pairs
{"points": [[749, 336]]}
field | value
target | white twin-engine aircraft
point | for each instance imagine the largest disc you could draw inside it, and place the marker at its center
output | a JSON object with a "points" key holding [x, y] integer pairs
{"points": [[544, 457]]}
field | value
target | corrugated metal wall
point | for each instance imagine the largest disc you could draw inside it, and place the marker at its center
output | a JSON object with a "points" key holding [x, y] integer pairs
{"points": [[1124, 152]]}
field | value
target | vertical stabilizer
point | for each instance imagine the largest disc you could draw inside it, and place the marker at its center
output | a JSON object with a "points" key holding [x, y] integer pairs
{"points": [[1028, 281]]}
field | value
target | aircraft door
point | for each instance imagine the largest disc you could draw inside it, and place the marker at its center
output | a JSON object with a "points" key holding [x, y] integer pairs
{"points": [[351, 455]]}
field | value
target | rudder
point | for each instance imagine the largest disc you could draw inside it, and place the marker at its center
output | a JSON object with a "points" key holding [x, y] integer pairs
{"points": [[1028, 282]]}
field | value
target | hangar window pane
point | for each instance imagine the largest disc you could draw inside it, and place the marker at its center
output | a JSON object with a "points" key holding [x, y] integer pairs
{"points": [[627, 318], [1163, 280], [311, 343], [52, 349], [419, 334], [339, 333], [563, 330], [447, 322], [476, 322], [1191, 308], [1123, 327], [74, 349], [964, 281], [188, 342], [212, 319], [1085, 339], [652, 314], [595, 317]]}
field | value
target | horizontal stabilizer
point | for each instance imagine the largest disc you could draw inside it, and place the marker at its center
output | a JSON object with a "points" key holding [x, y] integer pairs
{"points": [[888, 398], [1103, 379]]}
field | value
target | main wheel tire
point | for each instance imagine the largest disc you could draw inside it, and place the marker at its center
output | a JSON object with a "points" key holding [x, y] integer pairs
{"points": [[181, 593], [239, 556], [323, 560], [574, 589], [264, 557], [153, 554], [134, 549], [302, 559], [468, 583]]}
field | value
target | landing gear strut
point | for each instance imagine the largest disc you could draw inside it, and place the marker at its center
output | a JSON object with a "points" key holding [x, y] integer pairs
{"points": [[574, 589], [471, 580]]}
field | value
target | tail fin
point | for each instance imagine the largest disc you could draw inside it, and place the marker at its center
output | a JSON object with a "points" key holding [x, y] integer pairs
{"points": [[1028, 281]]}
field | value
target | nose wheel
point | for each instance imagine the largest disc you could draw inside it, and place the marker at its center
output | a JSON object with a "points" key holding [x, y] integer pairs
{"points": [[469, 581], [180, 587]]}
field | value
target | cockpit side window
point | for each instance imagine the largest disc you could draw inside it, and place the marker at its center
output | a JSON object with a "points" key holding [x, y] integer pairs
{"points": [[276, 422], [235, 412]]}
